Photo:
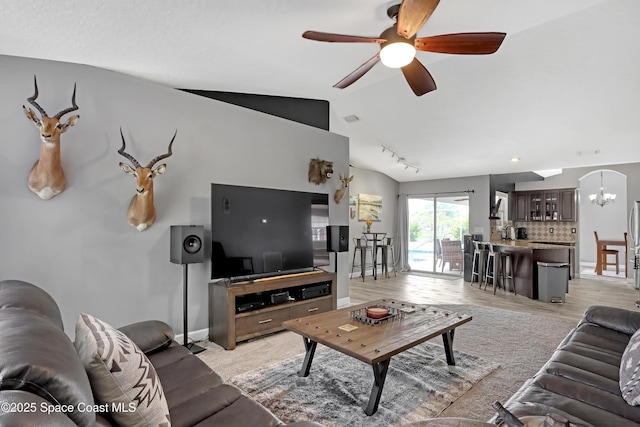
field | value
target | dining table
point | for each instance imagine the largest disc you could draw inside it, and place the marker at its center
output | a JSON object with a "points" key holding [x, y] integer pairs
{"points": [[374, 238], [605, 243]]}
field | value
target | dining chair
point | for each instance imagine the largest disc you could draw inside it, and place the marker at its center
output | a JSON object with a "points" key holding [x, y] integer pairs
{"points": [[452, 254], [604, 260]]}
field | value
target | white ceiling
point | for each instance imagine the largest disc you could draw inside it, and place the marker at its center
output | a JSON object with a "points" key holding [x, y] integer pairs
{"points": [[566, 78]]}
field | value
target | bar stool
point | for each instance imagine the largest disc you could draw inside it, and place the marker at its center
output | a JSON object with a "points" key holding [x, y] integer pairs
{"points": [[478, 263], [360, 244], [506, 259], [386, 245], [491, 271]]}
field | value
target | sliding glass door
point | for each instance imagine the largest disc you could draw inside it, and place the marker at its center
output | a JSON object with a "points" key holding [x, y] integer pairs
{"points": [[437, 224]]}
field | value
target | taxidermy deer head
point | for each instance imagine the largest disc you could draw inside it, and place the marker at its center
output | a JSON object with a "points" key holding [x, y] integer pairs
{"points": [[320, 171], [46, 177], [340, 193], [142, 213]]}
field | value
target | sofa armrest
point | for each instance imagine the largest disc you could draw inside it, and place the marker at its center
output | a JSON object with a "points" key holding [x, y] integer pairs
{"points": [[27, 409], [150, 336], [617, 319]]}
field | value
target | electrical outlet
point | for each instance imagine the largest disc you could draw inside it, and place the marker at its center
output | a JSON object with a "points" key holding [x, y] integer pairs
{"points": [[551, 230]]}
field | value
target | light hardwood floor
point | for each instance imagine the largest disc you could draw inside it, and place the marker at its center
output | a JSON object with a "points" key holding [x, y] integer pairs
{"points": [[429, 289]]}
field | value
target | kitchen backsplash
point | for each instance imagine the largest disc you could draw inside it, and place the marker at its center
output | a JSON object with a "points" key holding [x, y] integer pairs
{"points": [[562, 231]]}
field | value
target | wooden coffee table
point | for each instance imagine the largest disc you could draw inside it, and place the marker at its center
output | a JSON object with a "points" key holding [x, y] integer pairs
{"points": [[376, 344]]}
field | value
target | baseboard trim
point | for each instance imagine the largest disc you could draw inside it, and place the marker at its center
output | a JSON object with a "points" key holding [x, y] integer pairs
{"points": [[344, 302], [194, 336]]}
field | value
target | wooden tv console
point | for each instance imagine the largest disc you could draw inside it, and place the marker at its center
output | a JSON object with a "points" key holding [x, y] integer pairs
{"points": [[229, 325]]}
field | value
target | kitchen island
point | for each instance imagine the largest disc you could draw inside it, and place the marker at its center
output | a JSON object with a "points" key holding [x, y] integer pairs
{"points": [[525, 256]]}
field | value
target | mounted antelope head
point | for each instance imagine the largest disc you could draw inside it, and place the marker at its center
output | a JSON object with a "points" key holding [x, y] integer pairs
{"points": [[340, 193], [320, 171], [141, 212], [46, 178]]}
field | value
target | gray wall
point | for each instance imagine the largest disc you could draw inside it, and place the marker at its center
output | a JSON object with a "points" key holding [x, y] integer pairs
{"points": [[369, 182], [78, 245], [609, 221]]}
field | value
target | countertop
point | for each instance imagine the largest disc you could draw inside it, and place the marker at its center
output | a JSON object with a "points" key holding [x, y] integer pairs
{"points": [[528, 244]]}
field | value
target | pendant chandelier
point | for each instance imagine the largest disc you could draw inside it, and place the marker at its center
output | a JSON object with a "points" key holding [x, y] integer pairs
{"points": [[602, 198]]}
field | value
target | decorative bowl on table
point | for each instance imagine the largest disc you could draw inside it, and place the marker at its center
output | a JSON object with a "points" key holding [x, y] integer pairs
{"points": [[377, 311]]}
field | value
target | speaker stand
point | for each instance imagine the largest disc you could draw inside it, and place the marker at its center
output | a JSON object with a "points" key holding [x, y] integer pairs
{"points": [[195, 349], [335, 262]]}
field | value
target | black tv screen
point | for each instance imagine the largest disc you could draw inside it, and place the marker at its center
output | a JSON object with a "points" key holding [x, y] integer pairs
{"points": [[258, 232]]}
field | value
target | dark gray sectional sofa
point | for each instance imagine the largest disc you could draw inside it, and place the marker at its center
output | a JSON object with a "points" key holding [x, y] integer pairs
{"points": [[581, 379], [43, 381]]}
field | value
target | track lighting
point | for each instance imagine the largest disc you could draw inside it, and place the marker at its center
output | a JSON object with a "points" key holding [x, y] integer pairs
{"points": [[400, 159]]}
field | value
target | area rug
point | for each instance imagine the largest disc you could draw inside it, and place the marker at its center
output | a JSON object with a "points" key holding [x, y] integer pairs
{"points": [[519, 342], [419, 385]]}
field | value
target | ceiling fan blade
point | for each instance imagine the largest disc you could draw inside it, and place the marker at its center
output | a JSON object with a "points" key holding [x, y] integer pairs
{"points": [[359, 72], [461, 43], [413, 14], [418, 78], [340, 38]]}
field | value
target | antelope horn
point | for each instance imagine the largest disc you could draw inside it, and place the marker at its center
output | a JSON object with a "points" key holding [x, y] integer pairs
{"points": [[164, 156], [126, 155], [32, 100], [68, 110]]}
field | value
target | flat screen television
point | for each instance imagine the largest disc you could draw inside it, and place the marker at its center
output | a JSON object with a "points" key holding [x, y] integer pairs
{"points": [[260, 232]]}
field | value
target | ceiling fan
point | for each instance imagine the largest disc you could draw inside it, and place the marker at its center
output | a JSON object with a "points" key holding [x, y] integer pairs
{"points": [[398, 44]]}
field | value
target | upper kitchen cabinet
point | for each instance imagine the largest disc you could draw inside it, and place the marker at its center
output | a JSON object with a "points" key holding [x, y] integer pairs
{"points": [[551, 206], [520, 208], [567, 205], [547, 205], [535, 205]]}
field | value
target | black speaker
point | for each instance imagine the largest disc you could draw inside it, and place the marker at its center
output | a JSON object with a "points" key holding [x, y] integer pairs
{"points": [[187, 244], [337, 238]]}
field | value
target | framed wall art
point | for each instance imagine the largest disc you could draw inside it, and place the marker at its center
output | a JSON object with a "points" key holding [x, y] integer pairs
{"points": [[369, 207], [353, 206]]}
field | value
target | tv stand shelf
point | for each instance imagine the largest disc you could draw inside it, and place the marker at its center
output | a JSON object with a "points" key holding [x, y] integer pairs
{"points": [[227, 326]]}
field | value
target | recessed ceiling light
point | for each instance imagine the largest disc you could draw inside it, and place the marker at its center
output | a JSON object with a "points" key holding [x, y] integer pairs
{"points": [[352, 118], [515, 159]]}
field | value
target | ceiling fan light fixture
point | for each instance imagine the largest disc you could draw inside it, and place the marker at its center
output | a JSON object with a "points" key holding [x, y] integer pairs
{"points": [[398, 54]]}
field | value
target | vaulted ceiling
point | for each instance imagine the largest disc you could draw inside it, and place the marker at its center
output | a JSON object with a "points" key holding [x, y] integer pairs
{"points": [[562, 90]]}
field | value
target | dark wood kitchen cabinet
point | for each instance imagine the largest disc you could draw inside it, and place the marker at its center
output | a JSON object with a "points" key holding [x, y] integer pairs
{"points": [[535, 205], [551, 206], [568, 206], [544, 205], [521, 206]]}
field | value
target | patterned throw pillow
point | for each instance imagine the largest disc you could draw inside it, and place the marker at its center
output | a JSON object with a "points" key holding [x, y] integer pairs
{"points": [[630, 371], [121, 376]]}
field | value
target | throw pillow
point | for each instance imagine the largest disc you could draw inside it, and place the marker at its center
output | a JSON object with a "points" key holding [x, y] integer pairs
{"points": [[630, 371], [121, 376]]}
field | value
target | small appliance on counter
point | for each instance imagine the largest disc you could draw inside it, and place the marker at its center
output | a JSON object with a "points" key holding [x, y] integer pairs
{"points": [[522, 233]]}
